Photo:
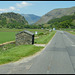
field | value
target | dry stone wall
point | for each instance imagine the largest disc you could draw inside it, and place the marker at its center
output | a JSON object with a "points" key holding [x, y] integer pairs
{"points": [[23, 38]]}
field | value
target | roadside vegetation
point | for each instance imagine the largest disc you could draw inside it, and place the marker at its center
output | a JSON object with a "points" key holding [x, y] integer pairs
{"points": [[72, 31], [11, 52], [17, 53], [44, 38]]}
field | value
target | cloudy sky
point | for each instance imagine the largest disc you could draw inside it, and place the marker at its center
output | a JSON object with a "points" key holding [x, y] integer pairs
{"points": [[33, 7]]}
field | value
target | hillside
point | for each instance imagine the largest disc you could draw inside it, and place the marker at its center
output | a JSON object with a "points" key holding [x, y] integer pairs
{"points": [[63, 22], [56, 13], [31, 18], [73, 22], [12, 20]]}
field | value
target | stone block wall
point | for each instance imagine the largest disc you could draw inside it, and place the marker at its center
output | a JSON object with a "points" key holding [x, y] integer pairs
{"points": [[23, 38]]}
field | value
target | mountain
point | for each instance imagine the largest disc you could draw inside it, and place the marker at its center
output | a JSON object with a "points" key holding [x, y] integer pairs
{"points": [[12, 20], [56, 13], [63, 22], [31, 18]]}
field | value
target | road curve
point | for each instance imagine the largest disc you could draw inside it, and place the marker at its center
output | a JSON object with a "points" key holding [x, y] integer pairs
{"points": [[58, 57]]}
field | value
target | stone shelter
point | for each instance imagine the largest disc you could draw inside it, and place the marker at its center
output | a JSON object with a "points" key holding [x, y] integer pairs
{"points": [[24, 37]]}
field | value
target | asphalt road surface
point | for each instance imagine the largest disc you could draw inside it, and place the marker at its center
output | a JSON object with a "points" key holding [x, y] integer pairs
{"points": [[58, 57]]}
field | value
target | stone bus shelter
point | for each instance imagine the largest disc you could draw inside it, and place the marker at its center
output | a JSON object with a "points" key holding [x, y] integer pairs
{"points": [[24, 37]]}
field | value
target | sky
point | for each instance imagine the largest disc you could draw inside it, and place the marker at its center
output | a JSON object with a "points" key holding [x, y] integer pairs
{"points": [[38, 8]]}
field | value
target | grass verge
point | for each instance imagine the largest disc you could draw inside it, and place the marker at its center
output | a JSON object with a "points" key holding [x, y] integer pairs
{"points": [[71, 32], [44, 39], [17, 53]]}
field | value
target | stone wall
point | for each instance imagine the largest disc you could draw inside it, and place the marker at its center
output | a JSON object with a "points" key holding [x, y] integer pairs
{"points": [[3, 44], [23, 38]]}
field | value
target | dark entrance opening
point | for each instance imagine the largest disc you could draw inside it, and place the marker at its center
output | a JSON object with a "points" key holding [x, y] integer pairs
{"points": [[32, 39]]}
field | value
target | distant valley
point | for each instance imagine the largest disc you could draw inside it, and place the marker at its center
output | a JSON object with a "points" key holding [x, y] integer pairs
{"points": [[31, 18]]}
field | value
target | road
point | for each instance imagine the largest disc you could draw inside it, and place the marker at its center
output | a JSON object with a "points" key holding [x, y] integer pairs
{"points": [[58, 57]]}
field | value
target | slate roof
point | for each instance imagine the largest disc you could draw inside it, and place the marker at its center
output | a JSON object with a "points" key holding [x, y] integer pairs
{"points": [[25, 31]]}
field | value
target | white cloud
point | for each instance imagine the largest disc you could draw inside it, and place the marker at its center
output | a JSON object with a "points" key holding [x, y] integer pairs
{"points": [[3, 9], [23, 4], [12, 8], [16, 8]]}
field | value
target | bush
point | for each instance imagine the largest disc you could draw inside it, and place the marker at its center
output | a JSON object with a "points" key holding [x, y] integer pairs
{"points": [[41, 34]]}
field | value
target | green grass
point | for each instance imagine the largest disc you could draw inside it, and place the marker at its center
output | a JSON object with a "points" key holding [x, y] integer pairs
{"points": [[7, 46], [10, 30], [7, 36], [44, 39], [18, 30], [17, 53], [67, 29], [71, 32]]}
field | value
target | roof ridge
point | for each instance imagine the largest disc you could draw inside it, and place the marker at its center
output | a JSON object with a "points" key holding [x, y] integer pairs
{"points": [[26, 32]]}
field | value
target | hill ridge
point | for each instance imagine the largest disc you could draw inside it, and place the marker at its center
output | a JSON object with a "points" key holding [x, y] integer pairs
{"points": [[56, 13]]}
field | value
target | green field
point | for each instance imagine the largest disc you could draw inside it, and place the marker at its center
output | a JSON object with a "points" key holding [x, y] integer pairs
{"points": [[7, 36], [17, 30]]}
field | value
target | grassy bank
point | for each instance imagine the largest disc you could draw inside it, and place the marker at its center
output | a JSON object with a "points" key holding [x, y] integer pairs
{"points": [[44, 39], [17, 53], [71, 32]]}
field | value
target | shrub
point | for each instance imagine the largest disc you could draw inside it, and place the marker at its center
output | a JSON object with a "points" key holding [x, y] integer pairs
{"points": [[41, 34]]}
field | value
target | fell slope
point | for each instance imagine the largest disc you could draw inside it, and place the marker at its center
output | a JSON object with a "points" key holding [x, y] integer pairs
{"points": [[12, 19], [56, 13]]}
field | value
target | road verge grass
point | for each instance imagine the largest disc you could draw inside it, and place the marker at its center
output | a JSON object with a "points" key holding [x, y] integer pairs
{"points": [[71, 32], [17, 53], [44, 39]]}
